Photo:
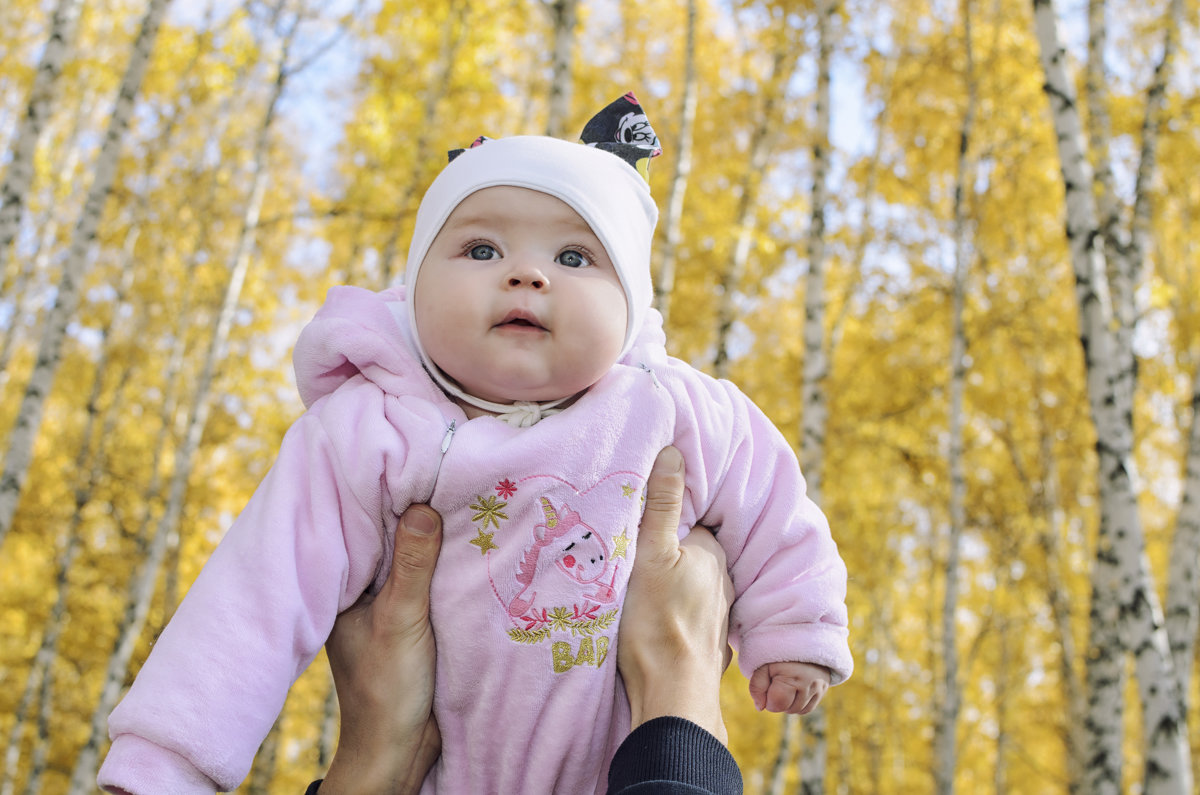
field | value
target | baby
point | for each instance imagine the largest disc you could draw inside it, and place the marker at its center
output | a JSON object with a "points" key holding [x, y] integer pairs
{"points": [[519, 384]]}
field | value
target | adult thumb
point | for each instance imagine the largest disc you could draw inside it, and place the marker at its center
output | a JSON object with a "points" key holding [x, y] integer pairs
{"points": [[659, 536], [418, 540]]}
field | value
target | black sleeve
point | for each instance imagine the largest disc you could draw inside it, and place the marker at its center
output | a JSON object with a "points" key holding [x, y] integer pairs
{"points": [[673, 756], [666, 756]]}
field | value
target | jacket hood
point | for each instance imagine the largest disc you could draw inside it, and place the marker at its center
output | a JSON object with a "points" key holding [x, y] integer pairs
{"points": [[360, 332]]}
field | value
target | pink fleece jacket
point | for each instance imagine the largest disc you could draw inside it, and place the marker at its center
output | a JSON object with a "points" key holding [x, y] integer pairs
{"points": [[540, 531]]}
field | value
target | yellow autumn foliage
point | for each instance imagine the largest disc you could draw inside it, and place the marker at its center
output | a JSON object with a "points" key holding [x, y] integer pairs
{"points": [[365, 126]]}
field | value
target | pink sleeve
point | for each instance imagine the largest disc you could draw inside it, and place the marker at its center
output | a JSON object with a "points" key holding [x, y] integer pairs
{"points": [[309, 542], [744, 479]]}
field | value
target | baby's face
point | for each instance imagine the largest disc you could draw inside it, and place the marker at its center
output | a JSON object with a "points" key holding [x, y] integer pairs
{"points": [[517, 298]]}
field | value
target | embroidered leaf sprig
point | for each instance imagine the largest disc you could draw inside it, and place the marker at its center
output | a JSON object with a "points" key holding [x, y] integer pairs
{"points": [[525, 636], [604, 621]]}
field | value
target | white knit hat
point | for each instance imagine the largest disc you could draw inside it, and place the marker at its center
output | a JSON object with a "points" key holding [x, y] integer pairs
{"points": [[607, 192]]}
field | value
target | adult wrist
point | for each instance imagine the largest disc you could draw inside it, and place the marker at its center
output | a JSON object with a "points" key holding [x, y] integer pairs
{"points": [[388, 771], [344, 777], [691, 692]]}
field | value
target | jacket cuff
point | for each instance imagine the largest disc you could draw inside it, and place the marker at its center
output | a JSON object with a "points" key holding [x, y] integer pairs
{"points": [[136, 766], [817, 643]]}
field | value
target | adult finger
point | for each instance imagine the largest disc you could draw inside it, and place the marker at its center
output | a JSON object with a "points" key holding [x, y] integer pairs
{"points": [[418, 540], [658, 539]]}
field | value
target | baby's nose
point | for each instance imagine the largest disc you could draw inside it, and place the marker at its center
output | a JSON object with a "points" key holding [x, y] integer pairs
{"points": [[532, 281], [525, 274]]}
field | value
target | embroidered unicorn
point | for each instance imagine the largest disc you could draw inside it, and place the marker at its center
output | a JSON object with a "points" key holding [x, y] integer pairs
{"points": [[564, 541]]}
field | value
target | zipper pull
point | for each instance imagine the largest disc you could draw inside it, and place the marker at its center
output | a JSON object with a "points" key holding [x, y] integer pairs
{"points": [[652, 375], [449, 435]]}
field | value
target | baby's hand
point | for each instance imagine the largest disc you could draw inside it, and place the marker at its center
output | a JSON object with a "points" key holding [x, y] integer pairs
{"points": [[793, 687]]}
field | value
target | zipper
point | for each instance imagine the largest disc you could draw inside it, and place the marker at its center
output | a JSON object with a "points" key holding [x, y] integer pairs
{"points": [[447, 438], [652, 375]]}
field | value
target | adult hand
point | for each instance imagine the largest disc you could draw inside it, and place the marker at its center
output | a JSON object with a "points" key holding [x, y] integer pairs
{"points": [[673, 641], [382, 653]]}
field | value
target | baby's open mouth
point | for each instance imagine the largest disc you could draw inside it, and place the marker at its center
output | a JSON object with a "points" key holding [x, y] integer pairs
{"points": [[520, 320]]}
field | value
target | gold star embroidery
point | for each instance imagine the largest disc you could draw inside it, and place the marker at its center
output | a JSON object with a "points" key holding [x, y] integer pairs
{"points": [[627, 490], [620, 545], [488, 510], [484, 542]]}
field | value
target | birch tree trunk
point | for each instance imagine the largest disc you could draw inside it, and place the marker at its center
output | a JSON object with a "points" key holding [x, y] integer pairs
{"points": [[1104, 629], [817, 355], [142, 586], [1099, 134], [1183, 584], [1164, 702], [29, 417], [564, 15], [760, 151], [1120, 570], [64, 21], [814, 392], [945, 748], [672, 229]]}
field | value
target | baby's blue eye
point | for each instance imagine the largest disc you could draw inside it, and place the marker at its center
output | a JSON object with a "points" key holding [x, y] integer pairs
{"points": [[483, 252], [572, 259]]}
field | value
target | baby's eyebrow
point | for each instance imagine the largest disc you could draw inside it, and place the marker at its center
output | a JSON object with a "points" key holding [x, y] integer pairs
{"points": [[459, 222]]}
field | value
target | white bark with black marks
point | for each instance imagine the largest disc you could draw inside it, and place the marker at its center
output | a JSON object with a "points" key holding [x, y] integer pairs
{"points": [[1121, 580], [1183, 583]]}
